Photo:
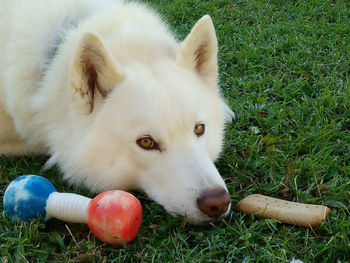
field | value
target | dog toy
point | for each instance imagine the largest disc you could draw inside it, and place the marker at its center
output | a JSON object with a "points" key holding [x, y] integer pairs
{"points": [[113, 216]]}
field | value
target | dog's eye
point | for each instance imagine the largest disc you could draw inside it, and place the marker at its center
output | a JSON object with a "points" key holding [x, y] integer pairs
{"points": [[147, 143], [199, 129]]}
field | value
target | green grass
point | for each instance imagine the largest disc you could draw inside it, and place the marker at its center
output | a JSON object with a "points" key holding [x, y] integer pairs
{"points": [[285, 71]]}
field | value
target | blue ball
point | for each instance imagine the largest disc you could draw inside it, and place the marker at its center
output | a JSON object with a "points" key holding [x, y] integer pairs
{"points": [[25, 197]]}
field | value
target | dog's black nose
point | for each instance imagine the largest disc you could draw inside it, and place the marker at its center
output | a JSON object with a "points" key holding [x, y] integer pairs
{"points": [[214, 202]]}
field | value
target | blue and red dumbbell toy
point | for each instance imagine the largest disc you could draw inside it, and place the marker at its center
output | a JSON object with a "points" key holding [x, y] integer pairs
{"points": [[112, 216]]}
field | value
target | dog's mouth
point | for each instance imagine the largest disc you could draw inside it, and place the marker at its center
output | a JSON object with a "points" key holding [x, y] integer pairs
{"points": [[213, 205], [219, 218], [202, 219]]}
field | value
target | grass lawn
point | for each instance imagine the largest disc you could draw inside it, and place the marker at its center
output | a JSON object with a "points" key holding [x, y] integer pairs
{"points": [[285, 72]]}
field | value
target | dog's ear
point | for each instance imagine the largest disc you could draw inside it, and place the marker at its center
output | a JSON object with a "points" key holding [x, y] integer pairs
{"points": [[94, 72], [199, 50]]}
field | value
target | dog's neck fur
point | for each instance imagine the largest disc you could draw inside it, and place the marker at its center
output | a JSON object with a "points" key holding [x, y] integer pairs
{"points": [[66, 24]]}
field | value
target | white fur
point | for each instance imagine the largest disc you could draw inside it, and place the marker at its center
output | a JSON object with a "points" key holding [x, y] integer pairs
{"points": [[149, 84]]}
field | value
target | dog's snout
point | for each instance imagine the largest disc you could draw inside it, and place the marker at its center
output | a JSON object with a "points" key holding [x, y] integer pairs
{"points": [[214, 202]]}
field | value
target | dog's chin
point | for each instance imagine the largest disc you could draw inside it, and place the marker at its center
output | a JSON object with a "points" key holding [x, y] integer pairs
{"points": [[202, 220]]}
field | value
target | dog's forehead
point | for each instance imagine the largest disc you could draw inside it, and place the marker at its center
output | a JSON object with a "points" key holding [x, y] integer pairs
{"points": [[170, 90], [165, 96]]}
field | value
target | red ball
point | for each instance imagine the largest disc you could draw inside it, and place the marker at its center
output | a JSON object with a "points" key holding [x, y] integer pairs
{"points": [[114, 216]]}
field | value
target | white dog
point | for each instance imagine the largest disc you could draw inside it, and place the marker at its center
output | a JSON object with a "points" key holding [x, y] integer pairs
{"points": [[105, 89]]}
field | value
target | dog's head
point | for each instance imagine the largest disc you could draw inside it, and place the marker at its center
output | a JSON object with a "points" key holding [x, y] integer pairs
{"points": [[155, 120]]}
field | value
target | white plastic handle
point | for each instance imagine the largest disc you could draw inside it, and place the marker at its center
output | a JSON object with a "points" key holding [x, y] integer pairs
{"points": [[70, 208]]}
